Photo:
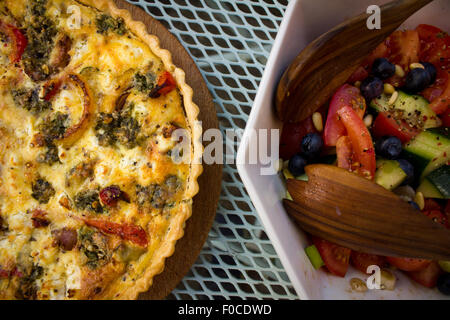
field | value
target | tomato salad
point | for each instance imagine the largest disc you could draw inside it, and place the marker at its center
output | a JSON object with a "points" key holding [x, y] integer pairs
{"points": [[389, 123]]}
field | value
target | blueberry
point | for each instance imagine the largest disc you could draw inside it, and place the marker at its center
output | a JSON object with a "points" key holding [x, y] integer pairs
{"points": [[416, 80], [297, 165], [312, 144], [431, 69], [371, 87], [443, 284], [408, 168], [388, 147], [382, 68], [414, 205]]}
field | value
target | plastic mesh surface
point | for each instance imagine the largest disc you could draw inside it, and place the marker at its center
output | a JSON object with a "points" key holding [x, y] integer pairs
{"points": [[230, 42]]}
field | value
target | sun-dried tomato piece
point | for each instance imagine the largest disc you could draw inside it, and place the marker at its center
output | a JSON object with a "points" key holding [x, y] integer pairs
{"points": [[109, 196], [38, 218], [166, 83], [126, 231]]}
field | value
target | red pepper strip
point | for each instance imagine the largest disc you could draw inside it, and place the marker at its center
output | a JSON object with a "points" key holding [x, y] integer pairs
{"points": [[4, 274], [125, 231], [13, 273], [18, 40], [166, 83], [361, 140], [51, 88]]}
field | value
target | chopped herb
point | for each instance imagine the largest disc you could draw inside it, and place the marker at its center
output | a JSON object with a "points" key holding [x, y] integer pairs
{"points": [[41, 32], [88, 200], [158, 196], [119, 127], [29, 100], [42, 190], [94, 246], [106, 23], [144, 83], [27, 286], [54, 126], [80, 172], [50, 156]]}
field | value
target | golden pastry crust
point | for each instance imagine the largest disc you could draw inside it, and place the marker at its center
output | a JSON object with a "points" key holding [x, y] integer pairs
{"points": [[119, 277]]}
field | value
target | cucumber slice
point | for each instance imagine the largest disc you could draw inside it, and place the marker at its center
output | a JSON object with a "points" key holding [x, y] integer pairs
{"points": [[314, 256], [389, 174], [288, 196], [445, 265], [429, 190], [412, 108], [440, 178], [287, 174], [428, 151]]}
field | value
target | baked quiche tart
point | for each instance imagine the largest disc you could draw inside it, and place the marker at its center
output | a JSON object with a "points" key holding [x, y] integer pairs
{"points": [[95, 184]]}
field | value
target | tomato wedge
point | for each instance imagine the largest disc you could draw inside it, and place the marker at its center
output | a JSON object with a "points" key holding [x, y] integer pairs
{"points": [[434, 44], [439, 92], [437, 216], [381, 51], [292, 135], [435, 212], [361, 261], [18, 41], [431, 204], [344, 153], [336, 258], [445, 117], [386, 125], [427, 276], [362, 145], [435, 48], [447, 208], [408, 264], [346, 95], [404, 48], [125, 231]]}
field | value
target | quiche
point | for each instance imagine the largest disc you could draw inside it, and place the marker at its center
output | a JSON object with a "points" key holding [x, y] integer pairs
{"points": [[99, 149]]}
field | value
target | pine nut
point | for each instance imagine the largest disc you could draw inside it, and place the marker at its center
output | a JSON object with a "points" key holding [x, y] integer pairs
{"points": [[317, 121], [393, 98], [399, 71], [416, 65], [388, 280], [419, 199], [278, 165], [388, 88], [287, 174], [358, 285], [368, 120]]}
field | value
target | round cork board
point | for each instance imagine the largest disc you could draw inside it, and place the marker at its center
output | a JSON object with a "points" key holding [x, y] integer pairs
{"points": [[205, 202]]}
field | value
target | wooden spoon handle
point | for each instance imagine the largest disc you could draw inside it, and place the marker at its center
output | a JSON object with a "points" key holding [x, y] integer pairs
{"points": [[327, 62], [356, 213]]}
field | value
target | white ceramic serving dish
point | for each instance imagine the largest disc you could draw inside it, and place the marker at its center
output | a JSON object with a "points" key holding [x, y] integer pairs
{"points": [[304, 20]]}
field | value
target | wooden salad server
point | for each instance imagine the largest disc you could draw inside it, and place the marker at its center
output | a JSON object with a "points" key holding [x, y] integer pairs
{"points": [[344, 208], [328, 61]]}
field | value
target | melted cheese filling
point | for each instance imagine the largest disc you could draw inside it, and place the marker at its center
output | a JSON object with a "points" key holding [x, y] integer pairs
{"points": [[107, 63]]}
